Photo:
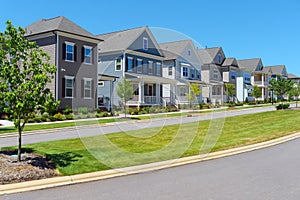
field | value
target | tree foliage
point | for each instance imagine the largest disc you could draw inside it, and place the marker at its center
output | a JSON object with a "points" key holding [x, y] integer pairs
{"points": [[24, 75], [230, 90], [295, 92], [256, 92], [125, 92], [194, 92], [281, 86]]}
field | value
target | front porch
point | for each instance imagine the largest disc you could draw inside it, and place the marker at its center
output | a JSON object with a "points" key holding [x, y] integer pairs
{"points": [[148, 90]]}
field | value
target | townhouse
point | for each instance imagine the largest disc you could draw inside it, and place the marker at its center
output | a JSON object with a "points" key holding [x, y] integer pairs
{"points": [[89, 67], [134, 55], [181, 63], [74, 52], [259, 76], [212, 60]]}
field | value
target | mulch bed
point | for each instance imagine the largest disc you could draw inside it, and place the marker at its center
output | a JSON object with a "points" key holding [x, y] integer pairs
{"points": [[32, 167]]}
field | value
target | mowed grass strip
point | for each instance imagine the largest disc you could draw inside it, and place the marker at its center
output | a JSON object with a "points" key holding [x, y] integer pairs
{"points": [[75, 156]]}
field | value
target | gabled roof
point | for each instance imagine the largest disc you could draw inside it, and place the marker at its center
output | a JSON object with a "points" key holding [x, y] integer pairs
{"points": [[121, 40], [57, 24], [207, 55], [277, 69], [249, 64], [173, 50], [293, 76], [230, 62]]}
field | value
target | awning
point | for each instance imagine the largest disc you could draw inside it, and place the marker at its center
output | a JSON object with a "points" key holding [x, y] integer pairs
{"points": [[104, 77], [150, 79]]}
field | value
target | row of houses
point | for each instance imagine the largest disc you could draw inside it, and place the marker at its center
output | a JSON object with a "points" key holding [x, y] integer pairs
{"points": [[89, 67]]}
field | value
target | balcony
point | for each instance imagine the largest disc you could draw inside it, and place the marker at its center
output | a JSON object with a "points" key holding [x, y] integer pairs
{"points": [[261, 83]]}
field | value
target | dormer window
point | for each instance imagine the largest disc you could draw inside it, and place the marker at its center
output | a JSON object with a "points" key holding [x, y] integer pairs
{"points": [[145, 43], [219, 58]]}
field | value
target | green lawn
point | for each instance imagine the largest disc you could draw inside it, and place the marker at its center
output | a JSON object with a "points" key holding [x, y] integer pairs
{"points": [[74, 156]]}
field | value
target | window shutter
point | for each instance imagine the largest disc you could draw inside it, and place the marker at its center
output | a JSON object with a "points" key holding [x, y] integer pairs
{"points": [[63, 87], [82, 88], [154, 90], [64, 46], [82, 54], [75, 53]]}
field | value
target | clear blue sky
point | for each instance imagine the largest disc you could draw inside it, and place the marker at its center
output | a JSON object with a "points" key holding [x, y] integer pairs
{"points": [[269, 29]]}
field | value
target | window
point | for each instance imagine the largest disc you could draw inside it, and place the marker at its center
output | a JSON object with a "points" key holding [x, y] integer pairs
{"points": [[185, 71], [182, 91], [118, 64], [87, 88], [101, 83], [170, 71], [232, 74], [247, 77], [150, 67], [129, 64], [69, 86], [139, 65], [158, 68], [145, 43], [216, 74], [189, 52], [70, 48], [219, 58], [87, 54], [192, 73]]}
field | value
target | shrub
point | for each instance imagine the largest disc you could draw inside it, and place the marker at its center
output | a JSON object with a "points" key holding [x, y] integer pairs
{"points": [[83, 110], [282, 106], [38, 119], [58, 117], [31, 120], [68, 110], [246, 100], [69, 116]]}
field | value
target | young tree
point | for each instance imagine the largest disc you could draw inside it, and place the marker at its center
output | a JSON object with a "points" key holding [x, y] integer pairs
{"points": [[281, 87], [24, 75], [230, 91], [295, 92], [256, 92], [194, 92], [125, 92]]}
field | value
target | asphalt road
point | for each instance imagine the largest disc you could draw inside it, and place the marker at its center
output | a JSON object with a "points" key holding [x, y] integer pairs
{"points": [[79, 132], [270, 173]]}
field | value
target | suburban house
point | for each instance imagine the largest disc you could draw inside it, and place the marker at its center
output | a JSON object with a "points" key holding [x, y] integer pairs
{"points": [[182, 64], [74, 52], [212, 60], [134, 55], [294, 78], [229, 70], [259, 76], [277, 71]]}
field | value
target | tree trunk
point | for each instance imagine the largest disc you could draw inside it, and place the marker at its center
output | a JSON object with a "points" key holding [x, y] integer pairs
{"points": [[20, 140], [125, 108]]}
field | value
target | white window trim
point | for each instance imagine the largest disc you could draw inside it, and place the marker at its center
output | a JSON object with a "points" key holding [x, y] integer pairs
{"points": [[84, 80], [145, 39], [91, 56], [130, 58], [149, 67], [139, 67], [116, 64], [170, 69], [69, 77], [72, 44], [101, 83]]}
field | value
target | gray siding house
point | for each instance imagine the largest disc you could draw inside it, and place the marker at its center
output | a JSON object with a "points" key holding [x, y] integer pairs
{"points": [[134, 55], [212, 59], [182, 64], [74, 52]]}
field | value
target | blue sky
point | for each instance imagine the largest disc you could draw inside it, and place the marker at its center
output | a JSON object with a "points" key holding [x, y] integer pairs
{"points": [[269, 29]]}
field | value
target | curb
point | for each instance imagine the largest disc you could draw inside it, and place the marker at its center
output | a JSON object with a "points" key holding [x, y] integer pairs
{"points": [[101, 175]]}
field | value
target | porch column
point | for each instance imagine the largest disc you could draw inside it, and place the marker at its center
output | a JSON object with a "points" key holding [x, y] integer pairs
{"points": [[172, 93], [263, 79], [263, 93], [141, 91], [157, 90], [222, 94], [210, 94]]}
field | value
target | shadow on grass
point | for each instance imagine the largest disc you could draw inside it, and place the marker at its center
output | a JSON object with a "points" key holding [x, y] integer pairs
{"points": [[63, 159]]}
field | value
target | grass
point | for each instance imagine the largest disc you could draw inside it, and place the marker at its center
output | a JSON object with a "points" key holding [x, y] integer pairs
{"points": [[75, 156], [35, 127]]}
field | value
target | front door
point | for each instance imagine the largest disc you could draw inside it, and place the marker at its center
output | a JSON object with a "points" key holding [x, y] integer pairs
{"points": [[150, 90]]}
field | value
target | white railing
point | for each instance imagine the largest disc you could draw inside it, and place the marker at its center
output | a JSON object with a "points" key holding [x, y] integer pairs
{"points": [[150, 99]]}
